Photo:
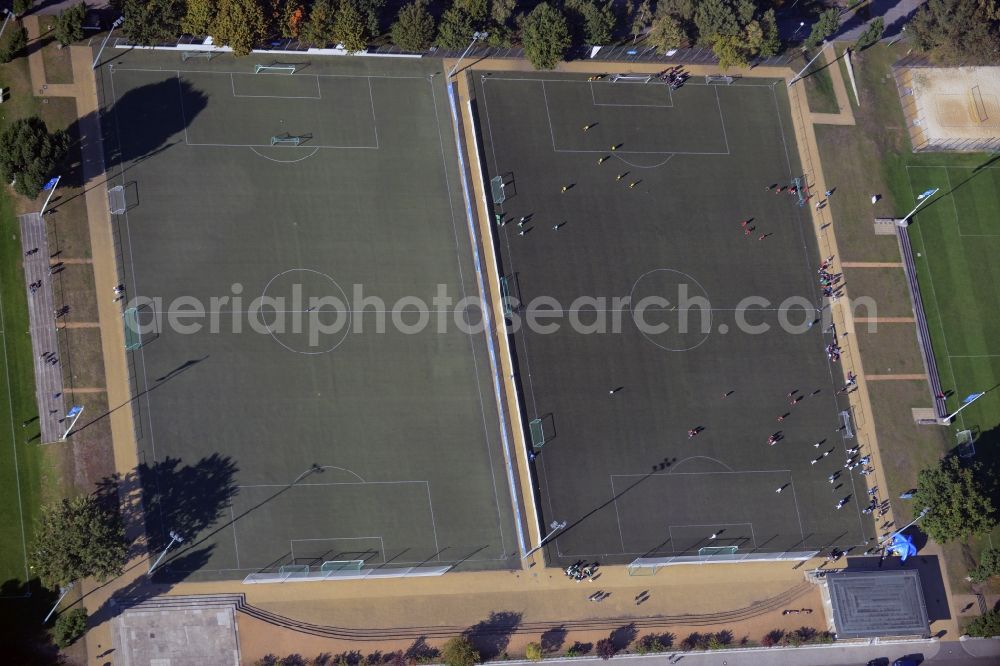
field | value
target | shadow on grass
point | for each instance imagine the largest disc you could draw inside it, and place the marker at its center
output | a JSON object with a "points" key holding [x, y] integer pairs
{"points": [[25, 641]]}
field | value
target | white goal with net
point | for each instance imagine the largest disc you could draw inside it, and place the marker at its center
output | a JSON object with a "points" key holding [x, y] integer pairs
{"points": [[276, 68]]}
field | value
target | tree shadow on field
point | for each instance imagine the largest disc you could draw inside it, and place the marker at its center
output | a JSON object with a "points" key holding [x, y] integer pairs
{"points": [[170, 496], [143, 122], [492, 635], [553, 639], [623, 636]]}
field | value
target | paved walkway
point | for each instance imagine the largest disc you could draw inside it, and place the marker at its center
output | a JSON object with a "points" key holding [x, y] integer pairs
{"points": [[84, 91], [38, 277]]}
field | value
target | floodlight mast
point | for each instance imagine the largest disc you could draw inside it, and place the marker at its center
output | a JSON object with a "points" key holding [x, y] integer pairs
{"points": [[476, 36], [174, 538], [116, 24]]}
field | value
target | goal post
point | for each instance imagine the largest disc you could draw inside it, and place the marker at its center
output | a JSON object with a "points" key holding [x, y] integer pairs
{"points": [[276, 68], [719, 78], [187, 55], [116, 200], [133, 335], [631, 78], [497, 189], [286, 140]]}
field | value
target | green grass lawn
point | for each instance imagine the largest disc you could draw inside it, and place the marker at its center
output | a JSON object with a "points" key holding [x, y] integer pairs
{"points": [[819, 85], [24, 467], [20, 462], [954, 238]]}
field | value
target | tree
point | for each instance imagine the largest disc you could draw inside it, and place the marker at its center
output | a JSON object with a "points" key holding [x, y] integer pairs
{"points": [[241, 24], [29, 154], [986, 625], [199, 17], [592, 22], [642, 18], [21, 7], [15, 43], [149, 22], [500, 27], [459, 651], [349, 27], [957, 502], [69, 24], [606, 648], [69, 627], [956, 32], [414, 27], [545, 36], [456, 28], [713, 18], [292, 17], [989, 565], [827, 24], [533, 651], [770, 40], [371, 13], [318, 29], [77, 538], [871, 34], [731, 50], [668, 33]]}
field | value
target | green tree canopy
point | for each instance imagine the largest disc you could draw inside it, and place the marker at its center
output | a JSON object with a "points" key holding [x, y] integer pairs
{"points": [[592, 22], [641, 18], [240, 24], [827, 24], [75, 539], [293, 16], [199, 17], [414, 28], [459, 651], [69, 627], [958, 504], [732, 50], [667, 32], [69, 24], [989, 565], [714, 18], [501, 27], [770, 43], [318, 28], [150, 22], [456, 28], [17, 39], [956, 32], [545, 36], [29, 153], [871, 34], [371, 15], [22, 6], [986, 625], [349, 27]]}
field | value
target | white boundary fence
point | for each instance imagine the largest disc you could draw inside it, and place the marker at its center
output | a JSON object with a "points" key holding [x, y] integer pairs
{"points": [[318, 576], [648, 566]]}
